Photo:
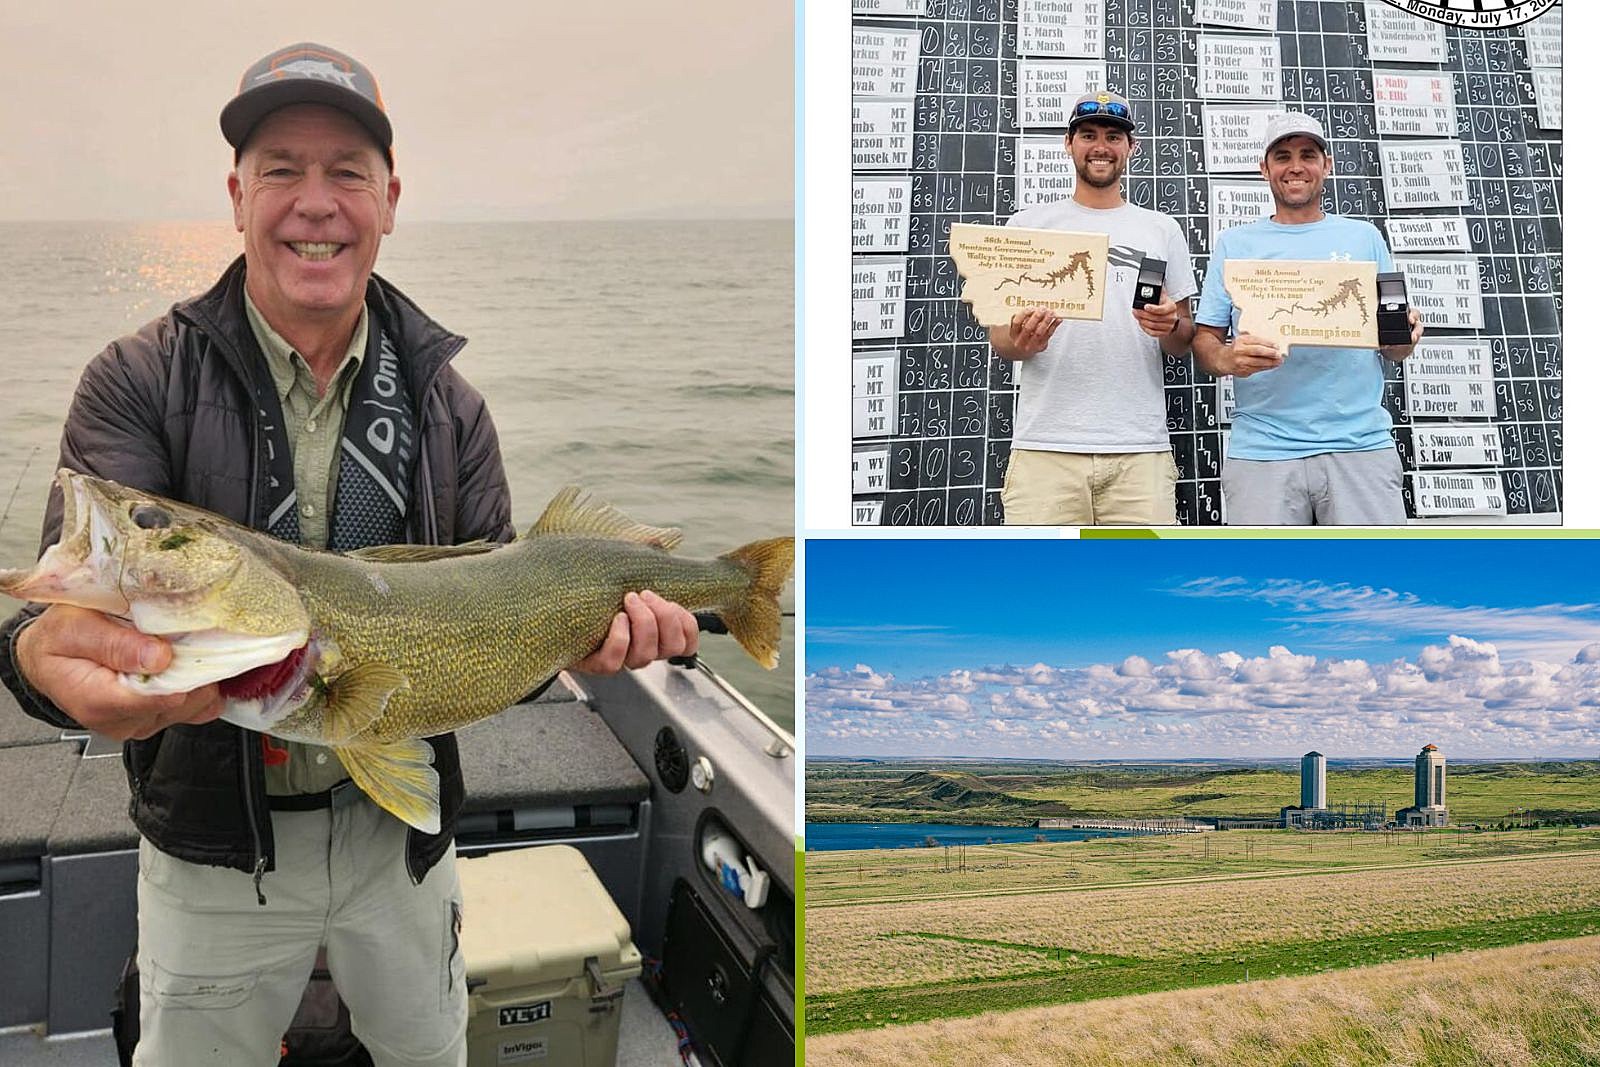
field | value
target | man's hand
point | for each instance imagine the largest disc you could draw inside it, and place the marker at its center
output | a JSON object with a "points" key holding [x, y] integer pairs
{"points": [[1028, 333], [647, 628], [1249, 355], [1157, 320], [1396, 353], [73, 655]]}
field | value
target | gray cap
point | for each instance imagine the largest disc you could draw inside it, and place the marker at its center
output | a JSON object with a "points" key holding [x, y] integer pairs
{"points": [[1108, 107], [1294, 124], [307, 73]]}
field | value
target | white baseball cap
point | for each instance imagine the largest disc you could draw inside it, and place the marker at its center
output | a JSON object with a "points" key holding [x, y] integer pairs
{"points": [[1294, 124]]}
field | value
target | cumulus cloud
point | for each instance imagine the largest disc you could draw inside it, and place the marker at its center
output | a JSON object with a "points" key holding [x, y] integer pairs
{"points": [[1463, 694]]}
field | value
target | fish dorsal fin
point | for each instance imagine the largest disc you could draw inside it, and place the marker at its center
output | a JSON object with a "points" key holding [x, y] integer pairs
{"points": [[421, 553], [574, 512], [399, 778]]}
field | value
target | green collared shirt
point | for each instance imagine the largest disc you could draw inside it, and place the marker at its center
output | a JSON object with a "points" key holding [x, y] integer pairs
{"points": [[314, 426]]}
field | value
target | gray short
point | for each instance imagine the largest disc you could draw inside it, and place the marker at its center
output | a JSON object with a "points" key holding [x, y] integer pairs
{"points": [[1331, 489]]}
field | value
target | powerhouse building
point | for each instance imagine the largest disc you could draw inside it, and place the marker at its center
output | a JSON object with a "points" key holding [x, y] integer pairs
{"points": [[1428, 807]]}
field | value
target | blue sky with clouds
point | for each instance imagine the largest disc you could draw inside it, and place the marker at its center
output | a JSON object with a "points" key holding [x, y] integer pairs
{"points": [[1139, 649]]}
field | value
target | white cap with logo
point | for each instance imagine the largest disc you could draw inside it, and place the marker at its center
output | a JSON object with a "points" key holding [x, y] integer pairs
{"points": [[1294, 124]]}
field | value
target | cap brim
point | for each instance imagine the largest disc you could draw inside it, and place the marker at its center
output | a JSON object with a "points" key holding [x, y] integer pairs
{"points": [[1326, 147], [247, 109], [1109, 120]]}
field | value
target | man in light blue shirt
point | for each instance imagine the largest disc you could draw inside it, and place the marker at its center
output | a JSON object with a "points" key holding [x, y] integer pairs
{"points": [[1310, 440]]}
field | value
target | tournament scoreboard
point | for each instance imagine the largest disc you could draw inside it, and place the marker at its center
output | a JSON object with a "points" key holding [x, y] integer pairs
{"points": [[1447, 139]]}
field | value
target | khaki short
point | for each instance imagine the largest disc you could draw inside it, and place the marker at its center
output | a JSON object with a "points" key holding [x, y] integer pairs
{"points": [[1090, 489]]}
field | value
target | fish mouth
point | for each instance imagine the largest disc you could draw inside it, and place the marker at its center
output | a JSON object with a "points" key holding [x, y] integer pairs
{"points": [[204, 657], [84, 567]]}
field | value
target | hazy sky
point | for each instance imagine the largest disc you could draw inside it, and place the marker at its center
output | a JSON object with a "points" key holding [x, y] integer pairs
{"points": [[626, 108], [1060, 649]]}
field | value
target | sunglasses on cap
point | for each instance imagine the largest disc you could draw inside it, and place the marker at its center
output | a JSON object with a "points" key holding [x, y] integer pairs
{"points": [[1115, 109]]}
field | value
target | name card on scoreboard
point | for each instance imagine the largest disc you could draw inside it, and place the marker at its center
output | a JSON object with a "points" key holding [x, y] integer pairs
{"points": [[875, 378], [1049, 86], [1450, 381], [878, 296], [1395, 36], [1414, 105], [866, 512], [1240, 68], [1547, 95], [1429, 233], [1459, 493], [869, 470], [1445, 290], [1234, 135], [1044, 171], [1430, 174], [1456, 446], [1543, 37], [884, 62], [1236, 203], [1061, 28], [880, 134], [1239, 14], [880, 214]]}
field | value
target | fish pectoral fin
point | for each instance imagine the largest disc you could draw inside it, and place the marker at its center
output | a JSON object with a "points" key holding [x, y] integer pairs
{"points": [[573, 511], [421, 553], [399, 778], [357, 697]]}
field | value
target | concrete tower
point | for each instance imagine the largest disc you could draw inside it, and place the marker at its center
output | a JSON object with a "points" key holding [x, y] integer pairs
{"points": [[1313, 780], [1429, 809], [1430, 778]]}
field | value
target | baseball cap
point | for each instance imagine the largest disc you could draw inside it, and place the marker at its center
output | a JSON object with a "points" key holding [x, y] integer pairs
{"points": [[1294, 124], [1105, 106], [307, 73]]}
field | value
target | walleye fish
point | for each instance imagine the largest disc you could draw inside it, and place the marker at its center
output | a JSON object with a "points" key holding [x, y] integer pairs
{"points": [[371, 651]]}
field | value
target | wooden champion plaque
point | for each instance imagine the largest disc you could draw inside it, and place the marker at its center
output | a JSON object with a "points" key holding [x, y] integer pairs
{"points": [[1008, 269], [1292, 302]]}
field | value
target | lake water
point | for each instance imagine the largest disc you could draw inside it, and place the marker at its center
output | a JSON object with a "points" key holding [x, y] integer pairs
{"points": [[837, 836], [651, 363]]}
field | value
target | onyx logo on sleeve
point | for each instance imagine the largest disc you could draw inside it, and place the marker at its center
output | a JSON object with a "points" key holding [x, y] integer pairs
{"points": [[1476, 14]]}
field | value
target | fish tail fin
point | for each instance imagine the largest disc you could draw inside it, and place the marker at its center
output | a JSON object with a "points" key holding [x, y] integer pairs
{"points": [[755, 619], [399, 778]]}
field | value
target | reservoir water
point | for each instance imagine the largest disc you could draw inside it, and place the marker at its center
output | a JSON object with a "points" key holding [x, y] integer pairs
{"points": [[837, 836]]}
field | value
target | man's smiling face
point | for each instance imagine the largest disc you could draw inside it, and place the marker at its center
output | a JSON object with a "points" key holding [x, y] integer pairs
{"points": [[1296, 168], [1100, 152], [313, 196]]}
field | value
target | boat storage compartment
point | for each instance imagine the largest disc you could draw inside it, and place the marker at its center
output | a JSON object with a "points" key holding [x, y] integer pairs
{"points": [[36, 778], [547, 953], [710, 965]]}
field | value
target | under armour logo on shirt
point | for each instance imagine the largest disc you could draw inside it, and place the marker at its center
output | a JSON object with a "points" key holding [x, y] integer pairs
{"points": [[1339, 257]]}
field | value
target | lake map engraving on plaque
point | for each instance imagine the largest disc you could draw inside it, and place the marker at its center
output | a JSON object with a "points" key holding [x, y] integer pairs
{"points": [[1008, 268], [1305, 303]]}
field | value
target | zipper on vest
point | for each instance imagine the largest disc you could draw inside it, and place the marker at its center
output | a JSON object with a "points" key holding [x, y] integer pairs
{"points": [[248, 750]]}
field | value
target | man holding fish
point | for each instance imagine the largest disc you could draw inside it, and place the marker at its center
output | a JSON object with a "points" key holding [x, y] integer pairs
{"points": [[305, 397]]}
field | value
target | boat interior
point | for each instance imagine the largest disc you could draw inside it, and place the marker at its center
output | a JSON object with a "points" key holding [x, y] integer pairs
{"points": [[677, 791]]}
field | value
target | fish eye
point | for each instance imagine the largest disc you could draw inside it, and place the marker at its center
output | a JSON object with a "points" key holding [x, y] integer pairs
{"points": [[150, 517]]}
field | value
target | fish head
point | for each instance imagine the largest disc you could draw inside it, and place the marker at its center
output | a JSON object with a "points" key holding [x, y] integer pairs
{"points": [[169, 567]]}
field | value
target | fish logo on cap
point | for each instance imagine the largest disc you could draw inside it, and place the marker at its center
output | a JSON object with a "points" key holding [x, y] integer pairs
{"points": [[1475, 14]]}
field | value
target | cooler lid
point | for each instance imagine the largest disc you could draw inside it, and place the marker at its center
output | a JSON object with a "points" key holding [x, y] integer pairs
{"points": [[533, 915]]}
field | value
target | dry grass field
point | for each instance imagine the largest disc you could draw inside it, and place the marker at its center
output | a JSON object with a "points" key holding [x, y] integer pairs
{"points": [[1532, 1005], [836, 878], [913, 943]]}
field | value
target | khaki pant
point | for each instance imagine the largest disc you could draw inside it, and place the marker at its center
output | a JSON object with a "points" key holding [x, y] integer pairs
{"points": [[220, 975], [1090, 488]]}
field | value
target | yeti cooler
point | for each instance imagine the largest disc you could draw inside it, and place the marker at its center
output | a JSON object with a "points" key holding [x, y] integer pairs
{"points": [[547, 953]]}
